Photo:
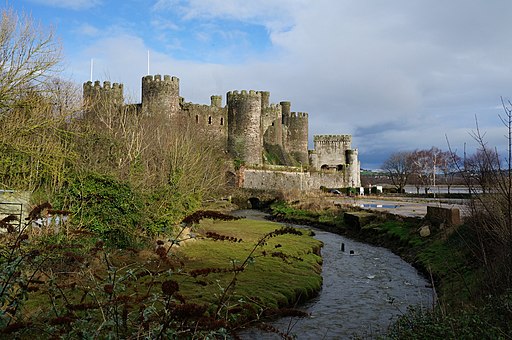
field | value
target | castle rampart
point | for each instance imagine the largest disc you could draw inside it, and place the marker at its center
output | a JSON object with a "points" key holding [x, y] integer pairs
{"points": [[248, 127]]}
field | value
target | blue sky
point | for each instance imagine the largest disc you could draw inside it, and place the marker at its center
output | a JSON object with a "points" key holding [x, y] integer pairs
{"points": [[397, 75]]}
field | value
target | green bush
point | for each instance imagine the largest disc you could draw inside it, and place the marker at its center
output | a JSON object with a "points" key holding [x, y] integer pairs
{"points": [[104, 205], [489, 321]]}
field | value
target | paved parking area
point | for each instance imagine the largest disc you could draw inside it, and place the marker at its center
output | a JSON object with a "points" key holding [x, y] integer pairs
{"points": [[403, 206]]}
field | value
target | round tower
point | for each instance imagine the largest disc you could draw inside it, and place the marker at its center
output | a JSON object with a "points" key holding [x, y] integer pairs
{"points": [[353, 173], [98, 98], [160, 96], [244, 126], [265, 99], [297, 138], [271, 124], [285, 107]]}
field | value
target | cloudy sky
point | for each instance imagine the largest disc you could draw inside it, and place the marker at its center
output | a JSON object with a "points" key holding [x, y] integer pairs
{"points": [[396, 74]]}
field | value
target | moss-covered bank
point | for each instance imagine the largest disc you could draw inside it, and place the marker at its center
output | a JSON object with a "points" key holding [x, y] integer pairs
{"points": [[214, 277]]}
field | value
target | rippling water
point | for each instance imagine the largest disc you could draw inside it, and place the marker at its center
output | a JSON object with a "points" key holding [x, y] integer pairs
{"points": [[362, 293]]}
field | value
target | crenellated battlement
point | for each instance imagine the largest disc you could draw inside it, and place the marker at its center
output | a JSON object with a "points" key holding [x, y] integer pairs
{"points": [[104, 95], [106, 85], [333, 138], [298, 115], [244, 93], [158, 79]]}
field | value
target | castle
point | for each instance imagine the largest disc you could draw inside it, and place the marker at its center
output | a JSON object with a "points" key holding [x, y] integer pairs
{"points": [[255, 132]]}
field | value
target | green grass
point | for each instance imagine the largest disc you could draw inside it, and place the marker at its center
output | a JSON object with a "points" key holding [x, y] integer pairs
{"points": [[105, 282], [274, 281]]}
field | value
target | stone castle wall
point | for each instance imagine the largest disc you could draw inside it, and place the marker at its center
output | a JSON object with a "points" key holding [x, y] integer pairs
{"points": [[290, 180], [245, 127]]}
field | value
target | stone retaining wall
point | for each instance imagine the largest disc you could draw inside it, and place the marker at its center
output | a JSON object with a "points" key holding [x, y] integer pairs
{"points": [[446, 216]]}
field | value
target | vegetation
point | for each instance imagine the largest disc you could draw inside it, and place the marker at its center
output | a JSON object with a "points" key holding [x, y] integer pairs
{"points": [[469, 266], [423, 168], [122, 181], [209, 280]]}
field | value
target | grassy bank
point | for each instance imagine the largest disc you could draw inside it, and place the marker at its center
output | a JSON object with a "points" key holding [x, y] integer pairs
{"points": [[214, 278], [465, 309]]}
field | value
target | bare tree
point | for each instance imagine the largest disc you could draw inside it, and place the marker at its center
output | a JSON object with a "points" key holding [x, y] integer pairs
{"points": [[32, 151], [481, 166], [426, 164], [399, 167], [491, 205], [28, 56], [449, 165]]}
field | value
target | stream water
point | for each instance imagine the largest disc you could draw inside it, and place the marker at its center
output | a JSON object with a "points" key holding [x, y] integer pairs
{"points": [[361, 295]]}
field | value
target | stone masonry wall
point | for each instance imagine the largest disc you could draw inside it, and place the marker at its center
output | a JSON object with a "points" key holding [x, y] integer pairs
{"points": [[289, 180]]}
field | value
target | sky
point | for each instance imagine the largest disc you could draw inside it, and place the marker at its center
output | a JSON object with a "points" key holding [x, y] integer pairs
{"points": [[397, 75]]}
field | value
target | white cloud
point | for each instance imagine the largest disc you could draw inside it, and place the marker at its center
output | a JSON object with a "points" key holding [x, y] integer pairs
{"points": [[276, 15], [88, 30], [397, 75], [70, 4]]}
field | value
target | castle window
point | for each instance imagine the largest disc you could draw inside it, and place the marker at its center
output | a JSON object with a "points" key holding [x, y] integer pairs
{"points": [[210, 120], [197, 119], [221, 120], [325, 167], [339, 167]]}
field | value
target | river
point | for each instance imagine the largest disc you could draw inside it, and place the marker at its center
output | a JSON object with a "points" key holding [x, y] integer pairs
{"points": [[362, 292]]}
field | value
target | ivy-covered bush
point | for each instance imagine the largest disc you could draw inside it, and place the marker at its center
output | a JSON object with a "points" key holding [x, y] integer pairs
{"points": [[104, 205]]}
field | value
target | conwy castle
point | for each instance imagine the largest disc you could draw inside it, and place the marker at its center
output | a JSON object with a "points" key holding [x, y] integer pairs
{"points": [[269, 140]]}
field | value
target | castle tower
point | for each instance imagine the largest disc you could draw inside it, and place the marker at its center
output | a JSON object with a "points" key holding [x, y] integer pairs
{"points": [[331, 152], [272, 125], [244, 126], [296, 140], [353, 168], [161, 96], [98, 98], [216, 101]]}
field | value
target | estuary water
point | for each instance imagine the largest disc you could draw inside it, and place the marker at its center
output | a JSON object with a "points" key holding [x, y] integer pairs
{"points": [[362, 292]]}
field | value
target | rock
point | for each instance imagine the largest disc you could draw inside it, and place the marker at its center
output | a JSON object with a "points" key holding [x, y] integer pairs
{"points": [[425, 231]]}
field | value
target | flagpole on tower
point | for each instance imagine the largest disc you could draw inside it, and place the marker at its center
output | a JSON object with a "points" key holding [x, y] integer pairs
{"points": [[92, 66]]}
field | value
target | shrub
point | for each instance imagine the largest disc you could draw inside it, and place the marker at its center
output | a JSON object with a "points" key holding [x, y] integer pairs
{"points": [[103, 205]]}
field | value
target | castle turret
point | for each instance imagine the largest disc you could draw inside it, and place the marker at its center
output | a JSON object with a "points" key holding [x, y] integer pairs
{"points": [[353, 168], [286, 109], [244, 127], [161, 96], [296, 138], [216, 101], [104, 98], [272, 125]]}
